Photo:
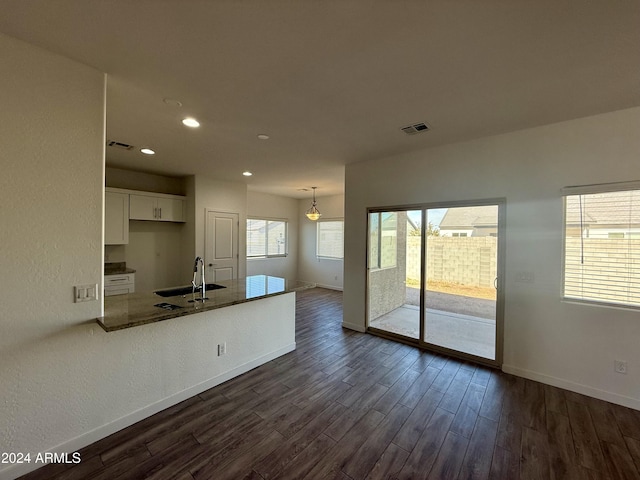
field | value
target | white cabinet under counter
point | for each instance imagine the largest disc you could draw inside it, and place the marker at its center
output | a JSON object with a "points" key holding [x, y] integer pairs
{"points": [[119, 284]]}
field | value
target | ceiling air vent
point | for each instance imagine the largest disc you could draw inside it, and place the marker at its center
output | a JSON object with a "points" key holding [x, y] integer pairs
{"points": [[415, 128], [123, 146]]}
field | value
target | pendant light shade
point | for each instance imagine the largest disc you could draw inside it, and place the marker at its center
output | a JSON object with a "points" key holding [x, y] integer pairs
{"points": [[313, 213]]}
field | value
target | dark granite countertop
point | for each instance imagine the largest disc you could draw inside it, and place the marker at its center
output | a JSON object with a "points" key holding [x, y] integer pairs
{"points": [[117, 268], [121, 272], [134, 309]]}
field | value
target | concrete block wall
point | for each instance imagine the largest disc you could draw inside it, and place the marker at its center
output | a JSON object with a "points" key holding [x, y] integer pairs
{"points": [[387, 290], [464, 260]]}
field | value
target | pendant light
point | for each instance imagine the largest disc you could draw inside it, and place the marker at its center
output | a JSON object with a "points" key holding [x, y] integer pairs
{"points": [[313, 213]]}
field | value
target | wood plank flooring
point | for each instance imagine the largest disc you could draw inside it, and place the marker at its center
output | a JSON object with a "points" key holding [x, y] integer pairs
{"points": [[347, 405]]}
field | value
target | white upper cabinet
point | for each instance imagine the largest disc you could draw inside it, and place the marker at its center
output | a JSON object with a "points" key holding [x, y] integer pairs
{"points": [[142, 207], [171, 209], [116, 218], [156, 207]]}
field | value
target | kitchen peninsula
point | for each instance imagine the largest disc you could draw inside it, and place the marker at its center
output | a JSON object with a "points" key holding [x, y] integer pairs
{"points": [[135, 309], [169, 356]]}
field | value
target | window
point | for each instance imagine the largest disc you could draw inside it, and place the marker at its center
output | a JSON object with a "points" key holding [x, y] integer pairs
{"points": [[330, 239], [266, 238], [383, 239], [602, 244]]}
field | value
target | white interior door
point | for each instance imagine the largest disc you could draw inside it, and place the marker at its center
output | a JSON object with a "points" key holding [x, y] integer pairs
{"points": [[221, 245]]}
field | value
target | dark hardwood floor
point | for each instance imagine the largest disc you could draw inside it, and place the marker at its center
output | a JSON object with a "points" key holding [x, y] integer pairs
{"points": [[347, 405]]}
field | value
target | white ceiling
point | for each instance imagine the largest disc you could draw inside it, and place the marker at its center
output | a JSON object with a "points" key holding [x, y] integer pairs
{"points": [[332, 82]]}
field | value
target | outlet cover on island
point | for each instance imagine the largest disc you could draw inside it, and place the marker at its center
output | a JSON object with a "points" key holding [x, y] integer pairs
{"points": [[222, 349], [620, 366]]}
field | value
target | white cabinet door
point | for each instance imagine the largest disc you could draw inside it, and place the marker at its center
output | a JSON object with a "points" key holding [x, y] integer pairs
{"points": [[116, 218], [159, 209], [170, 209], [142, 207]]}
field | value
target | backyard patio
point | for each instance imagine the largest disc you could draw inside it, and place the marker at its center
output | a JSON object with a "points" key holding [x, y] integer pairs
{"points": [[458, 322]]}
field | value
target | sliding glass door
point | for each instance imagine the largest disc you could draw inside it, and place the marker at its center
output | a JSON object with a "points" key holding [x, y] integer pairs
{"points": [[394, 272], [433, 277], [460, 293]]}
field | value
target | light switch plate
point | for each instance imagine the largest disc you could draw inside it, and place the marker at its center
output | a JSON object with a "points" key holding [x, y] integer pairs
{"points": [[85, 293]]}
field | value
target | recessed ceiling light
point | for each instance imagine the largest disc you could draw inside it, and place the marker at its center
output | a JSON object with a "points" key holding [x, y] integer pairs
{"points": [[147, 151], [191, 122], [247, 173], [263, 136]]}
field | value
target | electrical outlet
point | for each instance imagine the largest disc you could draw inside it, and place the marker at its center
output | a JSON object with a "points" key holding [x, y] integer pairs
{"points": [[525, 277], [222, 349], [620, 366]]}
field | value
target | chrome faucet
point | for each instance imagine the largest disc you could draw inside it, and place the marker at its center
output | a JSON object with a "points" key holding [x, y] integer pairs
{"points": [[203, 285]]}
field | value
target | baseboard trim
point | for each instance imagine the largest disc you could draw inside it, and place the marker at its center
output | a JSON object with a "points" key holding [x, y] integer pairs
{"points": [[75, 444], [353, 326], [574, 387], [329, 287]]}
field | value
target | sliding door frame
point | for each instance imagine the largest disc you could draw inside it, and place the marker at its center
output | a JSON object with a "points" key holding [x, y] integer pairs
{"points": [[500, 281]]}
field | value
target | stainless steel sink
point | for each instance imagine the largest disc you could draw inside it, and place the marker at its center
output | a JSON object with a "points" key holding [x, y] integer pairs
{"points": [[173, 292]]}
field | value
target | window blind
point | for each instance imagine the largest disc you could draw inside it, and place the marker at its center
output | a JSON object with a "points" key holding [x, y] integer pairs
{"points": [[330, 241], [256, 237], [602, 246], [266, 238]]}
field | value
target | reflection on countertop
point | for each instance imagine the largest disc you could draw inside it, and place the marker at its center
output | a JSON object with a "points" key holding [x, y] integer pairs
{"points": [[131, 310]]}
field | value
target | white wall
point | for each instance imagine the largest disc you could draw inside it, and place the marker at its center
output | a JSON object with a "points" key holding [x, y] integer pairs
{"points": [[65, 382], [229, 197], [325, 272], [565, 344], [274, 207], [188, 240], [147, 182], [154, 252], [51, 192]]}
